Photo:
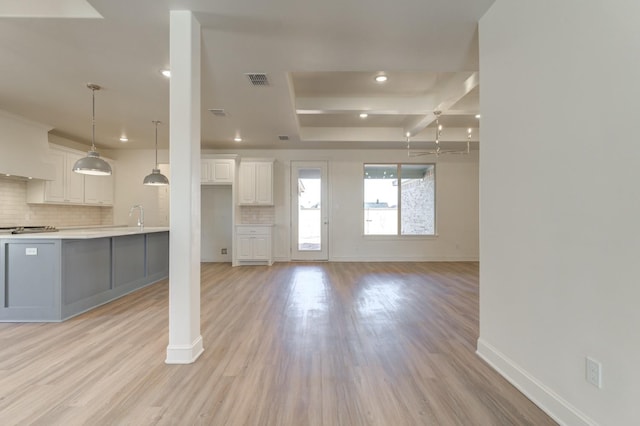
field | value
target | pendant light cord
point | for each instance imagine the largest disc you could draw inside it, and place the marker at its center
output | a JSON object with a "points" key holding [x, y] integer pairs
{"points": [[93, 88], [156, 122], [93, 119], [438, 128]]}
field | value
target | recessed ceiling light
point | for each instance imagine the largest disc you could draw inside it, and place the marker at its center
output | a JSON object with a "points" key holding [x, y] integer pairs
{"points": [[166, 73], [124, 139], [381, 78], [364, 115], [477, 115], [237, 139]]}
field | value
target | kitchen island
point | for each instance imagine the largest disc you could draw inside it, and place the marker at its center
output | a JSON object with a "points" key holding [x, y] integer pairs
{"points": [[50, 277]]}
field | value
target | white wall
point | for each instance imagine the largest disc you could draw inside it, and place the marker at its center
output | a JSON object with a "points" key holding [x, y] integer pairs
{"points": [[456, 206], [132, 165], [560, 203]]}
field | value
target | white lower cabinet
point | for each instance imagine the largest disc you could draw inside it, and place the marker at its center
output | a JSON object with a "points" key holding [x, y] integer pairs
{"points": [[253, 245]]}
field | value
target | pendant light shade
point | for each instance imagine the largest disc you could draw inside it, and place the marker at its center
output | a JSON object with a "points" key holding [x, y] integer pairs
{"points": [[92, 164], [156, 178]]}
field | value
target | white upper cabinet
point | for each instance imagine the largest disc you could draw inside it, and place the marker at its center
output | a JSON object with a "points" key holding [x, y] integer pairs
{"points": [[98, 190], [69, 187], [54, 190], [256, 182], [247, 183], [74, 181], [217, 171]]}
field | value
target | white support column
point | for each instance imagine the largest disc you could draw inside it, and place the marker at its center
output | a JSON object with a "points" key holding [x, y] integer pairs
{"points": [[185, 341]]}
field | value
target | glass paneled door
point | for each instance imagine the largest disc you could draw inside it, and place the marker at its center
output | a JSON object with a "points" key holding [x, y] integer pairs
{"points": [[309, 210]]}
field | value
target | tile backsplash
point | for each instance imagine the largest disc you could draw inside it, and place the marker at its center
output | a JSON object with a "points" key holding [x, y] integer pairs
{"points": [[14, 210], [264, 215]]}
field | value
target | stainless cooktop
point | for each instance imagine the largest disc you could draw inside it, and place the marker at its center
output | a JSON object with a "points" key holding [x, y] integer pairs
{"points": [[27, 229]]}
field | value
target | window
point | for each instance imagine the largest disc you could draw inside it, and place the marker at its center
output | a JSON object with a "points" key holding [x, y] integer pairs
{"points": [[399, 199]]}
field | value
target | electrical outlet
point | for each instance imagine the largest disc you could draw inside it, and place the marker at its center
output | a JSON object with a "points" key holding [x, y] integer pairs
{"points": [[594, 372], [223, 251]]}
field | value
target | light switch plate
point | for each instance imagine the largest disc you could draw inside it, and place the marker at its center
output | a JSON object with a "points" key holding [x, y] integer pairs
{"points": [[594, 372], [31, 251]]}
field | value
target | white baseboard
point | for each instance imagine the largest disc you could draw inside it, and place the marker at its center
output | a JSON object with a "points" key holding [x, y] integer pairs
{"points": [[548, 401], [216, 259], [403, 259], [184, 354], [390, 259]]}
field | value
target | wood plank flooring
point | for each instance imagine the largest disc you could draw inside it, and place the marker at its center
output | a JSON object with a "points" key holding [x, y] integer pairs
{"points": [[295, 344]]}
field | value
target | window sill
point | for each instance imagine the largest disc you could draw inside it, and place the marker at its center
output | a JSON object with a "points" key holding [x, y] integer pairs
{"points": [[399, 237]]}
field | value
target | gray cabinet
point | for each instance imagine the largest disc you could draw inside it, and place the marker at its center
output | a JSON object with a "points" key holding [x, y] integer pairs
{"points": [[86, 269], [29, 289], [157, 255], [129, 259], [52, 280]]}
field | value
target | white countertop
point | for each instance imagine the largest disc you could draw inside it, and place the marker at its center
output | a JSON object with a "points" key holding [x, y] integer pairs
{"points": [[86, 233]]}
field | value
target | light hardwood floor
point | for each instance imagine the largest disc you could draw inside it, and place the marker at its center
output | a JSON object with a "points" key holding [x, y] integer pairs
{"points": [[387, 344]]}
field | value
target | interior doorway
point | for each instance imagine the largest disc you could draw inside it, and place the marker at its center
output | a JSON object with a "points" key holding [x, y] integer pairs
{"points": [[216, 223]]}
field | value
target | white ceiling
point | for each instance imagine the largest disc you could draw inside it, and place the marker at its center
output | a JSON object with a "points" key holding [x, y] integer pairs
{"points": [[320, 58]]}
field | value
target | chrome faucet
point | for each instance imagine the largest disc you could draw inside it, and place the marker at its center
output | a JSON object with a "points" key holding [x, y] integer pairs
{"points": [[140, 216]]}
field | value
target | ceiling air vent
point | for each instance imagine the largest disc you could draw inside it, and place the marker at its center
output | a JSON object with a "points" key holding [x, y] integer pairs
{"points": [[283, 137], [258, 79], [218, 112]]}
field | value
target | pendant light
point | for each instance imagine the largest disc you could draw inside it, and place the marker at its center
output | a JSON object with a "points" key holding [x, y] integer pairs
{"points": [[156, 178], [92, 164]]}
